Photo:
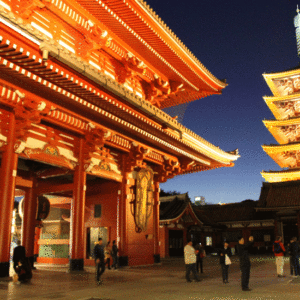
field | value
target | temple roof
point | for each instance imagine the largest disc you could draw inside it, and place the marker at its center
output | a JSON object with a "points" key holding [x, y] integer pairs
{"points": [[133, 22], [243, 211], [173, 207], [95, 93], [280, 194], [281, 176]]}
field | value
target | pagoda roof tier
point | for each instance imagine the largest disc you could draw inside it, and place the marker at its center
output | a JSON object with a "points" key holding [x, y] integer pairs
{"points": [[284, 131], [286, 156], [284, 83], [281, 176], [284, 107]]}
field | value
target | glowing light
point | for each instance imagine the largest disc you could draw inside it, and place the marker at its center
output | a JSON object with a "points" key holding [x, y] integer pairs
{"points": [[94, 65], [41, 29], [5, 5], [110, 75], [15, 28], [66, 46]]}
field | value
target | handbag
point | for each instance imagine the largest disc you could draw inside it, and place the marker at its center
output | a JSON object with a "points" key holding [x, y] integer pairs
{"points": [[15, 277], [227, 260]]}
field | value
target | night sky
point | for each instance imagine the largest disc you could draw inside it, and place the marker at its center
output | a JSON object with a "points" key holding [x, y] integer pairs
{"points": [[239, 41]]}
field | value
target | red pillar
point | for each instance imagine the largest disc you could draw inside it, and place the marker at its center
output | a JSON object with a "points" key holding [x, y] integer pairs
{"points": [[77, 214], [29, 221], [156, 223], [124, 206], [36, 240], [9, 164]]}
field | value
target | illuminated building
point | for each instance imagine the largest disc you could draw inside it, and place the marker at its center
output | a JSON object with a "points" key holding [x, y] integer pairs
{"points": [[280, 194], [82, 88]]}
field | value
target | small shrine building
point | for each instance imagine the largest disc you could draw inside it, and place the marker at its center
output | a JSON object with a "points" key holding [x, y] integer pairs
{"points": [[176, 218], [82, 88]]}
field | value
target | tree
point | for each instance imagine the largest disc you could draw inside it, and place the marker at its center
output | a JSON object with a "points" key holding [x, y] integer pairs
{"points": [[169, 193]]}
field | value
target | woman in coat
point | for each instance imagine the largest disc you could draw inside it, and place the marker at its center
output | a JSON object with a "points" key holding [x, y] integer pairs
{"points": [[225, 254], [107, 253]]}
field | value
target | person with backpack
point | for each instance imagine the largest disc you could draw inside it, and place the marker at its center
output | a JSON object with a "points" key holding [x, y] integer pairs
{"points": [[278, 249]]}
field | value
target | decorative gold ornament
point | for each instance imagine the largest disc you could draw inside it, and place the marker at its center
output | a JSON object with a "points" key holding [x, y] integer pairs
{"points": [[144, 198]]}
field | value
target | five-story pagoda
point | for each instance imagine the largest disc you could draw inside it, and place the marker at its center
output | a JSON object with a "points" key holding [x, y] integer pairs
{"points": [[285, 105]]}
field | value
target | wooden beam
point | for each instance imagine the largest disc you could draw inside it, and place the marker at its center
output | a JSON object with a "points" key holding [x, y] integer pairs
{"points": [[47, 188], [53, 172], [23, 182], [60, 200]]}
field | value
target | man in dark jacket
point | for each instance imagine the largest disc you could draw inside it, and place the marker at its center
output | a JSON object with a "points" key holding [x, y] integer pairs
{"points": [[19, 254], [99, 259], [114, 254], [294, 252], [225, 250], [245, 264]]}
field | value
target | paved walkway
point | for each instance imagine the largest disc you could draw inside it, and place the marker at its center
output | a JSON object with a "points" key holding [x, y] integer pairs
{"points": [[159, 282]]}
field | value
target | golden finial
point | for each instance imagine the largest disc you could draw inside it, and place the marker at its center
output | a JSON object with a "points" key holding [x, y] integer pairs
{"points": [[297, 10]]}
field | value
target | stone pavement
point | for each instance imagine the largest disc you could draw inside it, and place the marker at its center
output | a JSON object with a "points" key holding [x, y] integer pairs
{"points": [[159, 282]]}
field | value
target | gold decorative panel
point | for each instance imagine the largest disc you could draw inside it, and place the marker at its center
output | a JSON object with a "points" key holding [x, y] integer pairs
{"points": [[144, 198]]}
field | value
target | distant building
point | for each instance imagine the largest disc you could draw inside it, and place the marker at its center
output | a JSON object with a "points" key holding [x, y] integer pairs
{"points": [[180, 221], [200, 200]]}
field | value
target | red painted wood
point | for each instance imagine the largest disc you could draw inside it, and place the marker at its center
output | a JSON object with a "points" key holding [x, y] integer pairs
{"points": [[123, 218], [55, 261], [156, 218], [7, 187], [36, 238], [77, 208], [29, 221]]}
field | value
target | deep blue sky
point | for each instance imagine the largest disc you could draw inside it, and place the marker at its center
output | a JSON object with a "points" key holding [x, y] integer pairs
{"points": [[239, 41]]}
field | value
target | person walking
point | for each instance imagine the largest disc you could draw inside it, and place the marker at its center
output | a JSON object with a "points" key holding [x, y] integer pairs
{"points": [[23, 269], [99, 260], [294, 258], [245, 265], [190, 261], [200, 255], [18, 255], [225, 262], [278, 249], [107, 252], [114, 254]]}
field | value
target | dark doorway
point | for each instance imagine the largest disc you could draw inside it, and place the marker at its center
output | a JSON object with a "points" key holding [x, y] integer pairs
{"points": [[175, 242], [289, 230]]}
